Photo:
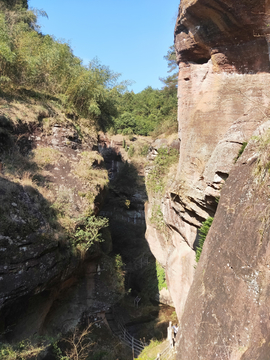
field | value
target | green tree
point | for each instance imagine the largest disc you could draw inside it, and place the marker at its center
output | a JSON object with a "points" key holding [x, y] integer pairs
{"points": [[170, 82], [151, 111], [88, 231]]}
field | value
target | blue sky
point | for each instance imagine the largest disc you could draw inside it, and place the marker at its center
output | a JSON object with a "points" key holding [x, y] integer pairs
{"points": [[131, 37]]}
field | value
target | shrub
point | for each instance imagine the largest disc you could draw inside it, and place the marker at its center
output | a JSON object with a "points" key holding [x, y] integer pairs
{"points": [[131, 151], [144, 150], [88, 232], [203, 231], [161, 276], [43, 64], [241, 150]]}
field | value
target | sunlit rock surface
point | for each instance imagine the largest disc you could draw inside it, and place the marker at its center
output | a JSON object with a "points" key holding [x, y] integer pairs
{"points": [[223, 96], [223, 55]]}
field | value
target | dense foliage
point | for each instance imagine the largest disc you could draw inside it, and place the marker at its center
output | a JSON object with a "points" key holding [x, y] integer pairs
{"points": [[31, 60], [88, 231], [150, 111], [41, 63], [142, 113]]}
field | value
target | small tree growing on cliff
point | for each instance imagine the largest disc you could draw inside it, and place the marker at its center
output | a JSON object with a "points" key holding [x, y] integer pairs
{"points": [[88, 231], [77, 345], [203, 231]]}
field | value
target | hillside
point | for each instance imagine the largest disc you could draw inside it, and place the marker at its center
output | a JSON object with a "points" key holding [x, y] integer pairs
{"points": [[102, 202]]}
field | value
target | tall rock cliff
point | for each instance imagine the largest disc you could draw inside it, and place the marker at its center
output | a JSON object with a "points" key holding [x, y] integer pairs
{"points": [[223, 54], [50, 180], [227, 313], [223, 95]]}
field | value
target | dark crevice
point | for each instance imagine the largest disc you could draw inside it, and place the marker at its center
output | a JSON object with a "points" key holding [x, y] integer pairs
{"points": [[223, 175], [172, 227], [192, 214], [202, 61]]}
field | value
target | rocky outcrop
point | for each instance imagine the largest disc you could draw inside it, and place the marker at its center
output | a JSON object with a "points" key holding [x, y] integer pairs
{"points": [[223, 95], [46, 286], [222, 49], [227, 314]]}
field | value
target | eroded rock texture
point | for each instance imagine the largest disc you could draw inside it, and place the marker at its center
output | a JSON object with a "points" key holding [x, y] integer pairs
{"points": [[227, 312], [223, 53], [45, 285], [224, 93]]}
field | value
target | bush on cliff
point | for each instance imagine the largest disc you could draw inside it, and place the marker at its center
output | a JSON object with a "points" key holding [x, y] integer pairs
{"points": [[240, 152], [203, 231], [88, 232]]}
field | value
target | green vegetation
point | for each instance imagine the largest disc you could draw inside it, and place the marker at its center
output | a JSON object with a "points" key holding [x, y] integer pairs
{"points": [[161, 276], [21, 351], [30, 60], [151, 351], [146, 112], [88, 232], [241, 150], [151, 281], [131, 151], [44, 86], [87, 341], [47, 67], [113, 276], [157, 178], [151, 111], [203, 231]]}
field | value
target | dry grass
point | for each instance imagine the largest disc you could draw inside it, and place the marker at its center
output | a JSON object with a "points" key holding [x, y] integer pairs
{"points": [[30, 111], [44, 156], [88, 128], [89, 169]]}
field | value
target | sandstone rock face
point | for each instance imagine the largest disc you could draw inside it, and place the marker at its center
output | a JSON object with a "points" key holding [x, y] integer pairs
{"points": [[223, 54], [227, 314], [223, 95]]}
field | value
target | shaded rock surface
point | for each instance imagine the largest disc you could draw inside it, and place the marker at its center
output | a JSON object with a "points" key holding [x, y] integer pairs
{"points": [[223, 96], [45, 286], [124, 207], [222, 48], [226, 314]]}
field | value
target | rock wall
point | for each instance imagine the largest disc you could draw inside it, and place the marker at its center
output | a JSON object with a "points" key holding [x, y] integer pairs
{"points": [[223, 96], [227, 313], [223, 54], [46, 286]]}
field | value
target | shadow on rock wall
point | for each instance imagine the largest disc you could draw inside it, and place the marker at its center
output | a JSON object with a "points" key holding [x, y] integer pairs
{"points": [[124, 207]]}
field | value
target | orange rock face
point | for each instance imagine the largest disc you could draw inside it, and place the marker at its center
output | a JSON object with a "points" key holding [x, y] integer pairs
{"points": [[227, 310], [222, 49]]}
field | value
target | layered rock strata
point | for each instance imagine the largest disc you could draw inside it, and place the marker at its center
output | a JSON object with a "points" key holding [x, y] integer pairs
{"points": [[227, 314], [223, 95], [223, 54], [45, 285]]}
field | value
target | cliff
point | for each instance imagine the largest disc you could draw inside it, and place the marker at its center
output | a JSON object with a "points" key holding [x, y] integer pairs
{"points": [[223, 97], [226, 313], [51, 179], [223, 54]]}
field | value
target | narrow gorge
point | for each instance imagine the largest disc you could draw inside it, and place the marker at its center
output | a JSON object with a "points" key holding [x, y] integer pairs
{"points": [[98, 225]]}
